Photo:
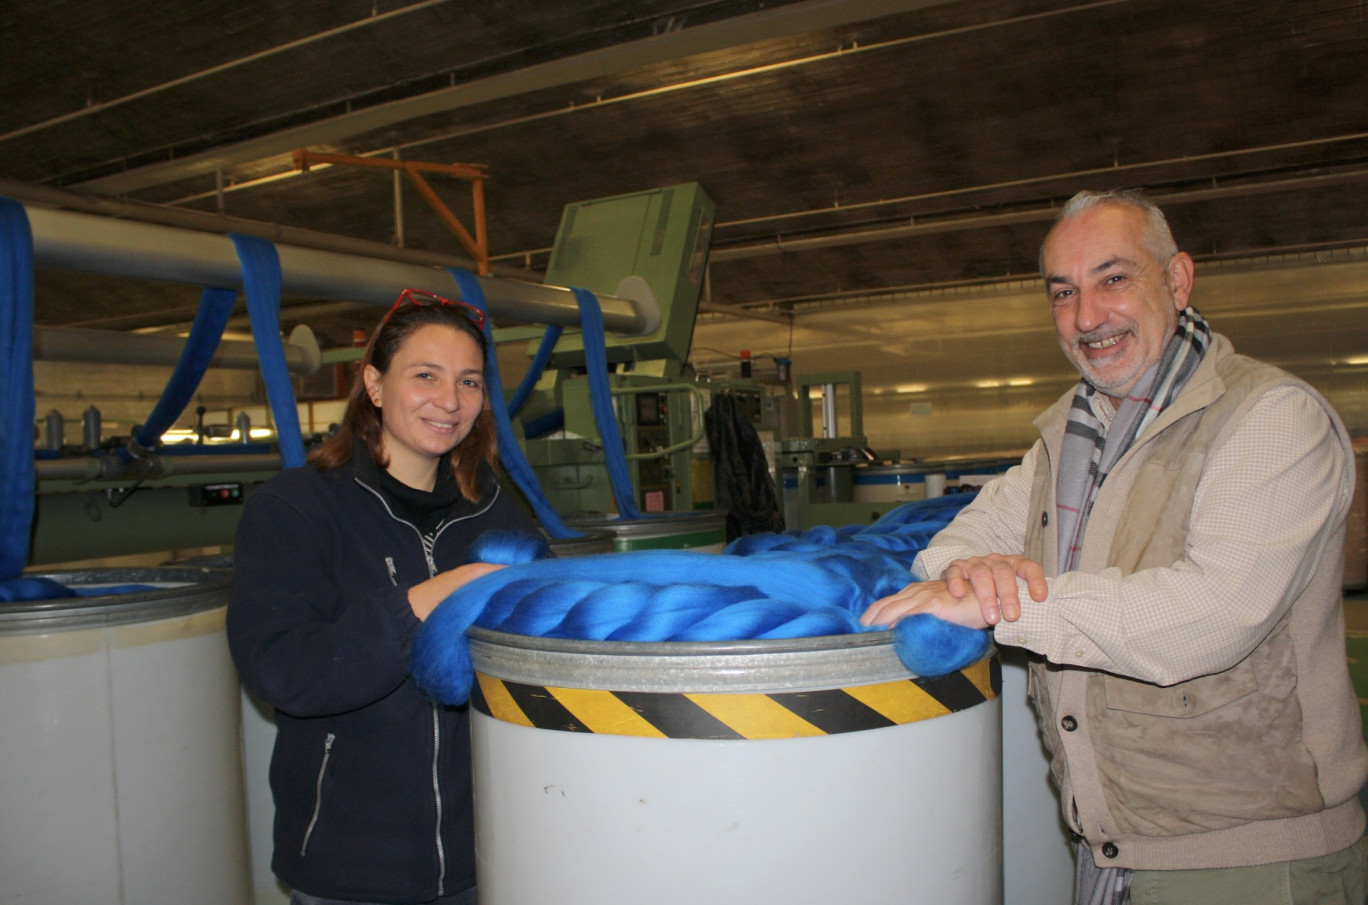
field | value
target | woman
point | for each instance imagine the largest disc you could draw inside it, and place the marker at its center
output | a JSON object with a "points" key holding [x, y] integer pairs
{"points": [[336, 565]]}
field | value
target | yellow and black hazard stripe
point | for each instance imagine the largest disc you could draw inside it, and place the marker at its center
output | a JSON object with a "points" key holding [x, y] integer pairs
{"points": [[737, 716]]}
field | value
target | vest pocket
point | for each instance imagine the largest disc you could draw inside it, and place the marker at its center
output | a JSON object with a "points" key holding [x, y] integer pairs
{"points": [[1182, 701], [1210, 753]]}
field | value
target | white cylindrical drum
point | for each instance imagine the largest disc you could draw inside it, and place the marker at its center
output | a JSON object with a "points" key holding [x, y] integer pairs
{"points": [[889, 483], [811, 770], [971, 475], [935, 484], [122, 778], [704, 531], [1037, 852], [258, 744]]}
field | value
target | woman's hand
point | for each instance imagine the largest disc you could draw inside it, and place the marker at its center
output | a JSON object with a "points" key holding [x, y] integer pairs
{"points": [[424, 596]]}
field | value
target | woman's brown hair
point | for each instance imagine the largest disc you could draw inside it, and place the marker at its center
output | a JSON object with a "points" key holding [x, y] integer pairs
{"points": [[362, 419]]}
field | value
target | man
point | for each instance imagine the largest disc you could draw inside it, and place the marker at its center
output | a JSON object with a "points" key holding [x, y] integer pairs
{"points": [[1171, 551]]}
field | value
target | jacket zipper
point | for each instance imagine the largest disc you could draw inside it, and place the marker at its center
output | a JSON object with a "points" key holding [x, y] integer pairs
{"points": [[437, 795], [436, 745], [318, 793], [440, 528], [428, 542]]}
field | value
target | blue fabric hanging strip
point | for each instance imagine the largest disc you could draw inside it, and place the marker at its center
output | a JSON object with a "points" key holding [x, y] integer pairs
{"points": [[601, 402], [534, 371], [17, 481], [791, 587], [215, 307], [510, 453], [261, 284]]}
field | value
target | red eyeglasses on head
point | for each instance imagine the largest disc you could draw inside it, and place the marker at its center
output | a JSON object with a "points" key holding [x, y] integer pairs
{"points": [[423, 297]]}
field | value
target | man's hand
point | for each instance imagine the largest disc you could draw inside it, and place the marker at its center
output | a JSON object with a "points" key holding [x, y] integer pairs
{"points": [[993, 581], [925, 597]]}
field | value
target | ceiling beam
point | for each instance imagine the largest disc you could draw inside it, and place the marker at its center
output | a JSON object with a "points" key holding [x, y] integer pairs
{"points": [[779, 245], [773, 317], [376, 18], [783, 21]]}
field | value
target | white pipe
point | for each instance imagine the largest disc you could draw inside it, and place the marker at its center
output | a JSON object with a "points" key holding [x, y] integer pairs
{"points": [[829, 410], [86, 243], [302, 355], [113, 468]]}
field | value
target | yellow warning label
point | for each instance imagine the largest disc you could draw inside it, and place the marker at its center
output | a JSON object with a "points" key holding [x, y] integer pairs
{"points": [[770, 715]]}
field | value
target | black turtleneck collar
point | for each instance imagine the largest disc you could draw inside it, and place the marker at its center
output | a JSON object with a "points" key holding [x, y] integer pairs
{"points": [[424, 508]]}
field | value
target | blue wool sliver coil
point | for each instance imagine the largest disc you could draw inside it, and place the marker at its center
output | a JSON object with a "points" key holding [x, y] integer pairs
{"points": [[927, 645], [769, 586]]}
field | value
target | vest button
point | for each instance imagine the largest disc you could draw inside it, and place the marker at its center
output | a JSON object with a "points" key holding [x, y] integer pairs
{"points": [[1044, 519], [1109, 850], [1069, 724]]}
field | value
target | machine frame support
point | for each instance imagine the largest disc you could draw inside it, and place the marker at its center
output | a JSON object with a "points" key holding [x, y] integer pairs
{"points": [[477, 245]]}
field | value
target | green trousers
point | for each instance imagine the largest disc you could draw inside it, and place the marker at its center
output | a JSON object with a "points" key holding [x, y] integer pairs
{"points": [[1336, 879]]}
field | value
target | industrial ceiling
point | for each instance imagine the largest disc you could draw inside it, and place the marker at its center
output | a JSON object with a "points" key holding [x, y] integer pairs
{"points": [[857, 150]]}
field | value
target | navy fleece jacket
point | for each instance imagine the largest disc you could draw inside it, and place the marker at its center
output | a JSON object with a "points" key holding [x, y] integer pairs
{"points": [[371, 779]]}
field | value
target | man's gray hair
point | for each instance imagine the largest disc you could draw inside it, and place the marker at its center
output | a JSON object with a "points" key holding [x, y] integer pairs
{"points": [[1158, 238]]}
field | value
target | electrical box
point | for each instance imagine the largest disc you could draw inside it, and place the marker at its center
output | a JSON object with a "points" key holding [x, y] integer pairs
{"points": [[228, 493], [659, 237]]}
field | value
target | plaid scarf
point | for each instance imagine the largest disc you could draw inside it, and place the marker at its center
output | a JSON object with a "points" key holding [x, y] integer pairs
{"points": [[1090, 450], [1095, 885]]}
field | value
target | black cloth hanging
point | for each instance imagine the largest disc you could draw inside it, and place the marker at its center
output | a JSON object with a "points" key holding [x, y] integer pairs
{"points": [[741, 479]]}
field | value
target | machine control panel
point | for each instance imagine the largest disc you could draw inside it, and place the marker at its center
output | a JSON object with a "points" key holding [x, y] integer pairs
{"points": [[221, 494], [653, 433]]}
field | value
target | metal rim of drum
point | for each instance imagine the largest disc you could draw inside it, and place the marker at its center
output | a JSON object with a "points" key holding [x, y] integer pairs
{"points": [[208, 561], [798, 664], [657, 525], [194, 591], [592, 542], [891, 471]]}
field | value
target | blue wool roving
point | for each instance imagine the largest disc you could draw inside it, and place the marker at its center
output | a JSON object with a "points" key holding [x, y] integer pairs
{"points": [[508, 548], [37, 587], [763, 587], [925, 645], [25, 588]]}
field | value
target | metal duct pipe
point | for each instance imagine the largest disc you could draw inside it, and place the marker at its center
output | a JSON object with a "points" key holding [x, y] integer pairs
{"points": [[84, 243], [113, 468], [302, 355], [204, 221]]}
